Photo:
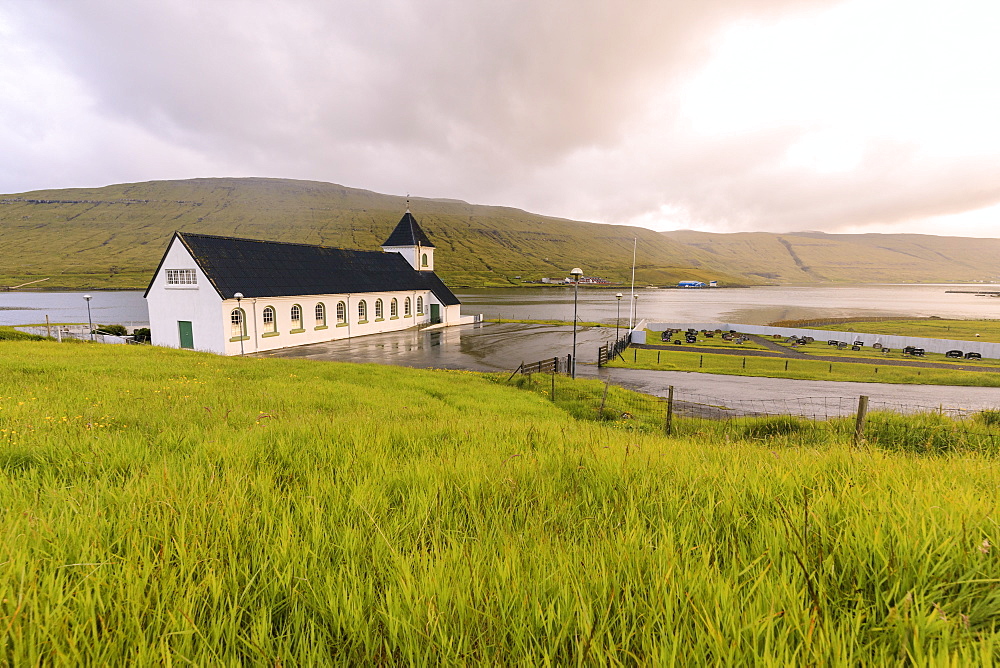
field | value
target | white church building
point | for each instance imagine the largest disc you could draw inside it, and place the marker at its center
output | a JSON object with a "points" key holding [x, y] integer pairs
{"points": [[233, 296]]}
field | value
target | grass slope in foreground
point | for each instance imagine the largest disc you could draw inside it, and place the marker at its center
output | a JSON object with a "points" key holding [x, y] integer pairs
{"points": [[166, 506]]}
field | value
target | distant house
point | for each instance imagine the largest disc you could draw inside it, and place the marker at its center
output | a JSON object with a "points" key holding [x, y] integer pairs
{"points": [[293, 294]]}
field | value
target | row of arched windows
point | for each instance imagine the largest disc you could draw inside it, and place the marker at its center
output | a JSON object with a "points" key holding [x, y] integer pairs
{"points": [[238, 325]]}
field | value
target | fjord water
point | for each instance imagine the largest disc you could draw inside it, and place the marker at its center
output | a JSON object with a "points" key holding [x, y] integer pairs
{"points": [[752, 306]]}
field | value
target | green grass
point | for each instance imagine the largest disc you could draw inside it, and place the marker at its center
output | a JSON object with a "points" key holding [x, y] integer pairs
{"points": [[11, 334], [113, 237], [171, 507], [653, 338], [811, 257], [935, 328], [805, 369], [821, 348]]}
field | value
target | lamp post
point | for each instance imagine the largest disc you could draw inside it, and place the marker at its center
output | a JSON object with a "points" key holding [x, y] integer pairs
{"points": [[89, 318], [243, 324], [618, 313], [576, 274]]}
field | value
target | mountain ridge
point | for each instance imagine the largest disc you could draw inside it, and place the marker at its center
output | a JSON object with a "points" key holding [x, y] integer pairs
{"points": [[112, 237]]}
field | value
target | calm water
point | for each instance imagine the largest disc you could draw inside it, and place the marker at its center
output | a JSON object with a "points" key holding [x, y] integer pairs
{"points": [[754, 306]]}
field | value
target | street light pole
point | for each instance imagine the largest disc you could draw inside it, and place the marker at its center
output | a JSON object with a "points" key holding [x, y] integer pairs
{"points": [[618, 314], [243, 321], [576, 273], [89, 318]]}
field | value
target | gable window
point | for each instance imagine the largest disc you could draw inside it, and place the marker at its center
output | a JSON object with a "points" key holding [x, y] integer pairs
{"points": [[423, 260], [363, 311], [341, 313], [296, 316], [379, 310], [406, 307], [394, 308], [270, 323], [237, 323], [420, 305], [320, 315], [182, 277]]}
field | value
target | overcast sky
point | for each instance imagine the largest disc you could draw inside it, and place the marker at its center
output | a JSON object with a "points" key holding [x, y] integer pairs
{"points": [[726, 115]]}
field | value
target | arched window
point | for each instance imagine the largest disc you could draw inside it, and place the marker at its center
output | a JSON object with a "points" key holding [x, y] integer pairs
{"points": [[394, 308], [270, 323], [296, 316], [238, 325], [341, 313], [379, 312], [420, 305], [406, 307], [320, 315], [423, 260], [362, 310]]}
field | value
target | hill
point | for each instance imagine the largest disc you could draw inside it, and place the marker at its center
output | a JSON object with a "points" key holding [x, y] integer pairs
{"points": [[817, 257], [113, 237]]}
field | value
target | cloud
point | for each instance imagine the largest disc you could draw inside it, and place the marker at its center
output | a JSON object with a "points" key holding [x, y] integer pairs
{"points": [[655, 112]]}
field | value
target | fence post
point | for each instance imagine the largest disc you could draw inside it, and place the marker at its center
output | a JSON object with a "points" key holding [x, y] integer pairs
{"points": [[553, 386], [859, 422], [635, 353], [669, 426], [555, 365], [786, 365], [604, 396], [516, 371]]}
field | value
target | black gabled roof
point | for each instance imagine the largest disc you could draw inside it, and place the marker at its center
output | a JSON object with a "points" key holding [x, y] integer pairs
{"points": [[408, 233], [276, 269]]}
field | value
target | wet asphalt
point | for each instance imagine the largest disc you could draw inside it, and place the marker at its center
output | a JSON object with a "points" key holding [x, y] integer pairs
{"points": [[498, 347]]}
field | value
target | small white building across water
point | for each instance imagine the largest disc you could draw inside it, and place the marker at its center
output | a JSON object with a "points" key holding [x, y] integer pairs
{"points": [[231, 296]]}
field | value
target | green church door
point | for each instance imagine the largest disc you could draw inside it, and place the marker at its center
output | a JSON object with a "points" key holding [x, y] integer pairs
{"points": [[435, 313], [187, 335]]}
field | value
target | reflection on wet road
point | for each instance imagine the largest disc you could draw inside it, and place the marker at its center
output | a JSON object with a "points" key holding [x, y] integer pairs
{"points": [[483, 347], [502, 347]]}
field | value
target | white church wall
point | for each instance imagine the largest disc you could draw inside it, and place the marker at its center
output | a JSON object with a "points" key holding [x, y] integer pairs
{"points": [[171, 304], [285, 335], [414, 255]]}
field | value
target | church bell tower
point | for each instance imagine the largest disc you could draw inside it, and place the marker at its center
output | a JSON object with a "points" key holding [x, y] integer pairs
{"points": [[410, 241]]}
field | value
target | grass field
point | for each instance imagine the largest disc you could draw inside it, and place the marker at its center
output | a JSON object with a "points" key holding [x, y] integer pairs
{"points": [[821, 348], [172, 507], [935, 328], [706, 342], [806, 369]]}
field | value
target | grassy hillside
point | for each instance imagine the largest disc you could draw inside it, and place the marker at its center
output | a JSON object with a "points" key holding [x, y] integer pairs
{"points": [[811, 257], [178, 507], [113, 237]]}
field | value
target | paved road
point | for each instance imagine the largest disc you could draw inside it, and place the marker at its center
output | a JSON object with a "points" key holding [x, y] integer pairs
{"points": [[502, 347]]}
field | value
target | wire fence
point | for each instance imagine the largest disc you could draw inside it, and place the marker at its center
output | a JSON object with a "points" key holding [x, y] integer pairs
{"points": [[805, 421]]}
